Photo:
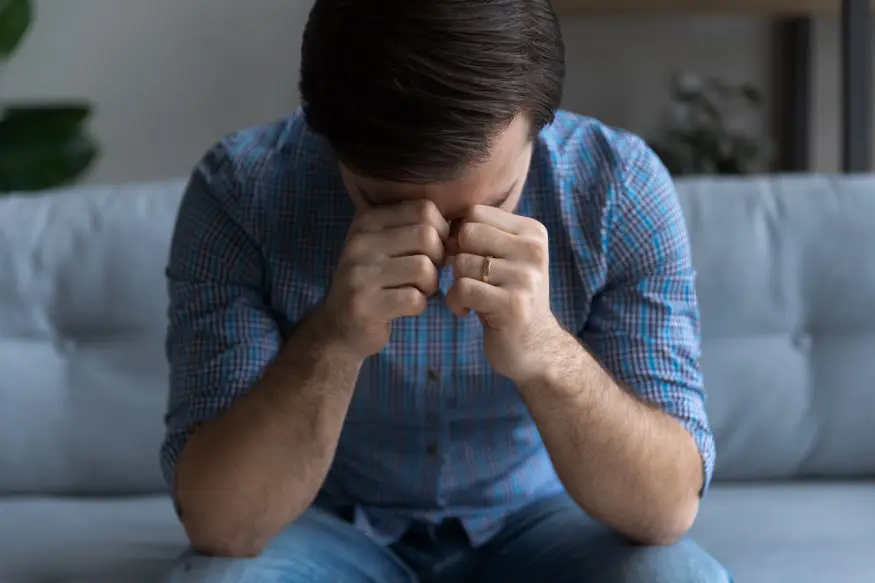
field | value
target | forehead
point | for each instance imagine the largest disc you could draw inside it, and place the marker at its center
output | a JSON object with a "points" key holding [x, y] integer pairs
{"points": [[484, 183]]}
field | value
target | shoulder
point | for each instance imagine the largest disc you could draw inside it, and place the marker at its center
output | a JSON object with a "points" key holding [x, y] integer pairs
{"points": [[593, 154], [603, 172], [615, 184], [263, 166], [613, 167]]}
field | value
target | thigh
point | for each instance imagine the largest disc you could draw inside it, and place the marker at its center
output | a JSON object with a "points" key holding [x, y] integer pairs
{"points": [[317, 548], [553, 540]]}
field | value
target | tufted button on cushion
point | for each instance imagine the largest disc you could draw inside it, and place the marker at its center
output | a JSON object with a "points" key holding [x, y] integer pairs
{"points": [[787, 291], [83, 379]]}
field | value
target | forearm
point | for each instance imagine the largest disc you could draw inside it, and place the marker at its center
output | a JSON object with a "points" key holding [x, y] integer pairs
{"points": [[627, 464], [246, 474]]}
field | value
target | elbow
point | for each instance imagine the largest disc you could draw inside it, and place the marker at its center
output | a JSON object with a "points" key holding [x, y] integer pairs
{"points": [[214, 532], [658, 538], [671, 527], [214, 544], [213, 538]]}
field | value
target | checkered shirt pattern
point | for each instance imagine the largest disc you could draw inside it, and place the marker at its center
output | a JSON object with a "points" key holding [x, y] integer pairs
{"points": [[432, 432]]}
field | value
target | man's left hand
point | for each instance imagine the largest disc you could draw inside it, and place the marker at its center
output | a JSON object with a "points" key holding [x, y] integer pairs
{"points": [[510, 293]]}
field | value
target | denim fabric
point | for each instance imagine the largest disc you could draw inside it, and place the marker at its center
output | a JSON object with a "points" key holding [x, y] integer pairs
{"points": [[551, 540]]}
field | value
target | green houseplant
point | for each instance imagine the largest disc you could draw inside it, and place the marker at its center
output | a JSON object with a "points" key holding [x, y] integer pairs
{"points": [[41, 145], [702, 129]]}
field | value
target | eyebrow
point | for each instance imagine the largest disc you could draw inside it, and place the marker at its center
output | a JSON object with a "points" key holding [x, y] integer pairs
{"points": [[495, 203]]}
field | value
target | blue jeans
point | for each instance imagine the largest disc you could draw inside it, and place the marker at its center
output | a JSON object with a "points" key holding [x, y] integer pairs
{"points": [[551, 540]]}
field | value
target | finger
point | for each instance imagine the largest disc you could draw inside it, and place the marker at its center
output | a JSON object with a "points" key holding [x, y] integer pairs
{"points": [[415, 270], [499, 218], [501, 271], [414, 240], [470, 294], [403, 214], [418, 239], [400, 302], [481, 239]]}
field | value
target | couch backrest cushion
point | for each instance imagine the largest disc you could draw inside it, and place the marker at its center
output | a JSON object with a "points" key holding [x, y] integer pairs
{"points": [[83, 379], [786, 284], [787, 291]]}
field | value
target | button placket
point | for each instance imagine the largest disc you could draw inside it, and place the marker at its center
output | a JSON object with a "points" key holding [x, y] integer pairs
{"points": [[434, 446]]}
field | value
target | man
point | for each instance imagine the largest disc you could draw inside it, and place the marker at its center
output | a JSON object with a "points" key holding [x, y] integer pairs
{"points": [[429, 329]]}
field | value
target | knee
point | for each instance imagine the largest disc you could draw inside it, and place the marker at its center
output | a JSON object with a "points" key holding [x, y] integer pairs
{"points": [[198, 568], [318, 548], [683, 562]]}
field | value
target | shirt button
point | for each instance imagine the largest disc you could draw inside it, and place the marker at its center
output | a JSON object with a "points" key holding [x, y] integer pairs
{"points": [[433, 375], [431, 449], [431, 417]]}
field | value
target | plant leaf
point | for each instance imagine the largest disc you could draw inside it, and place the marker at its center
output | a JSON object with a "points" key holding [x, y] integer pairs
{"points": [[44, 147], [32, 121], [751, 93], [15, 19]]}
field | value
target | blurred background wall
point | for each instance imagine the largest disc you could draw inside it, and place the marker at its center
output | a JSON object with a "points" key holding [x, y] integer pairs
{"points": [[169, 77]]}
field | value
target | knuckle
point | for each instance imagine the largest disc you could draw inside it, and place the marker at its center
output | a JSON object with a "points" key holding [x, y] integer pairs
{"points": [[413, 299], [467, 233], [358, 277], [465, 286], [357, 245], [529, 278], [422, 265], [536, 251], [539, 231], [424, 273], [428, 237], [424, 209]]}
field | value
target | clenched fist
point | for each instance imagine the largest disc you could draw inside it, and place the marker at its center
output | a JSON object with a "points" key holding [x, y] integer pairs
{"points": [[388, 268], [502, 274]]}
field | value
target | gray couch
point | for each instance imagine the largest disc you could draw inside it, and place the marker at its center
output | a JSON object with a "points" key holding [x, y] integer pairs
{"points": [[787, 288]]}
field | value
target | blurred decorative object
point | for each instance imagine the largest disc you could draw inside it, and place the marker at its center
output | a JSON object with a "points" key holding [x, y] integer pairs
{"points": [[702, 130], [41, 145]]}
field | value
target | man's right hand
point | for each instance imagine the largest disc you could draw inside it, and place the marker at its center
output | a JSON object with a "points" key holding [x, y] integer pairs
{"points": [[388, 268]]}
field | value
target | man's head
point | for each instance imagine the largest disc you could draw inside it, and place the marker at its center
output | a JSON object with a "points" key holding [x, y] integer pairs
{"points": [[432, 98]]}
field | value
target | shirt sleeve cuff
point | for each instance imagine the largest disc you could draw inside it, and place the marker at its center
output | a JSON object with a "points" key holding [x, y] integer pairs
{"points": [[704, 439]]}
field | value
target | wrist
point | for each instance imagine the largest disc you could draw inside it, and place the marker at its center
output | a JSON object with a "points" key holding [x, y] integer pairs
{"points": [[322, 335], [556, 349]]}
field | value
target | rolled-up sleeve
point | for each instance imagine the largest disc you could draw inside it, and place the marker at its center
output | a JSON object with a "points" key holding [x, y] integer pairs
{"points": [[221, 333], [644, 324]]}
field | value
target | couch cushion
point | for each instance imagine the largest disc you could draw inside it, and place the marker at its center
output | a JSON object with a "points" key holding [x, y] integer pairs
{"points": [[65, 540], [83, 379], [787, 291], [786, 284], [791, 533], [795, 533]]}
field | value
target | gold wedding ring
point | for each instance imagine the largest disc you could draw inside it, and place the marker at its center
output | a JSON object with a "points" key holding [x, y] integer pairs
{"points": [[486, 269]]}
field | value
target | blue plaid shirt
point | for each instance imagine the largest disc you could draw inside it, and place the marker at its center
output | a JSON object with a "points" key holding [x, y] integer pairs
{"points": [[432, 431]]}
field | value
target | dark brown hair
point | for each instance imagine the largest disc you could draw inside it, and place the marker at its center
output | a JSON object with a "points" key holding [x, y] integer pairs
{"points": [[415, 90]]}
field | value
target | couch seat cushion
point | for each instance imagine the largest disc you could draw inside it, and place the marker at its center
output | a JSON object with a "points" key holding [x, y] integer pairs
{"points": [[774, 533], [68, 540], [793, 533]]}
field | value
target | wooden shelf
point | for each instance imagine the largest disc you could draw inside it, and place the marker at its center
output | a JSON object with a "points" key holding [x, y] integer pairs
{"points": [[572, 8]]}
